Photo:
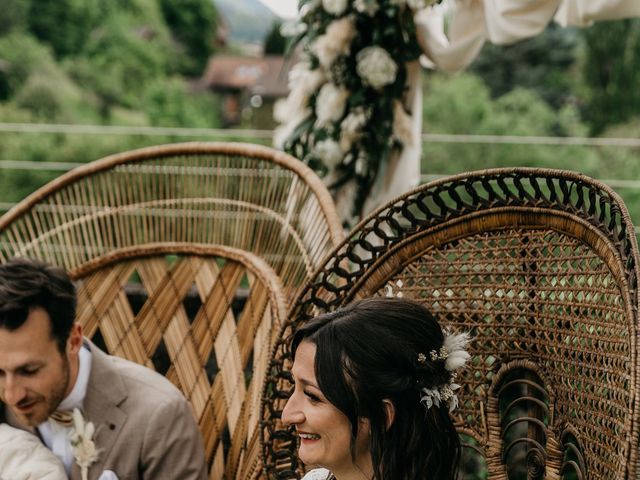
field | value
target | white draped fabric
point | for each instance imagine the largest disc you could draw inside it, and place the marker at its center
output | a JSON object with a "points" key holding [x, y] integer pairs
{"points": [[469, 24]]}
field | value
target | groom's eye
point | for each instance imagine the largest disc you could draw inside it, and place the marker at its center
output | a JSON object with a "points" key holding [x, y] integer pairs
{"points": [[30, 370]]}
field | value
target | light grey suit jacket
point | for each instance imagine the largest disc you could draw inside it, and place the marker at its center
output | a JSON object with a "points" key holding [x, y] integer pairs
{"points": [[144, 425]]}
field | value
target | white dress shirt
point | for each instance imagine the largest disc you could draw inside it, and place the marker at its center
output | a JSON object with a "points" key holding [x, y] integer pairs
{"points": [[56, 436]]}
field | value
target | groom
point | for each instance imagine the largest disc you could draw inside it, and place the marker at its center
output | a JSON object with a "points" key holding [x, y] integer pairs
{"points": [[144, 426]]}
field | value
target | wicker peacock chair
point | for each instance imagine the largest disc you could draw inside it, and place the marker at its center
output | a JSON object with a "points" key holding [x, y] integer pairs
{"points": [[161, 242], [542, 268]]}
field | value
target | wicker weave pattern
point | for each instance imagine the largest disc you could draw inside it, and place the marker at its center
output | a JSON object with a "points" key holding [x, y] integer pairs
{"points": [[541, 267], [186, 221], [243, 196], [205, 354]]}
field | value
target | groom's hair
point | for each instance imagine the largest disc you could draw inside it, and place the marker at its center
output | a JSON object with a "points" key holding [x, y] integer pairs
{"points": [[26, 284]]}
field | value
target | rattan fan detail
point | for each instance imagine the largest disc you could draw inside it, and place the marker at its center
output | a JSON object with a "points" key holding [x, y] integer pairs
{"points": [[540, 266]]}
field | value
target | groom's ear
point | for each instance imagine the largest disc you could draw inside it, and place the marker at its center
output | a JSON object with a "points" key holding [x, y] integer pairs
{"points": [[74, 343], [389, 412]]}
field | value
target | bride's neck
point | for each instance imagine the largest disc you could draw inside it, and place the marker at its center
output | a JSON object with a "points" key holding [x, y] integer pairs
{"points": [[355, 472]]}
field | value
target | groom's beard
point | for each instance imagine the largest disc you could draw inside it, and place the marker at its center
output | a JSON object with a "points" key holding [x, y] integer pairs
{"points": [[42, 405]]}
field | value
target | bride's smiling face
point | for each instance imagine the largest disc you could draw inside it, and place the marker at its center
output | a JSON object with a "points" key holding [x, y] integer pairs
{"points": [[324, 431]]}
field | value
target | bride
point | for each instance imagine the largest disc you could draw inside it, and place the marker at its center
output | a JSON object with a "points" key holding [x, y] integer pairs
{"points": [[374, 383], [24, 457]]}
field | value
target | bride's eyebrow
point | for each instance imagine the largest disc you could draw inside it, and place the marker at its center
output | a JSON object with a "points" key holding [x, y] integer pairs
{"points": [[304, 381], [307, 383]]}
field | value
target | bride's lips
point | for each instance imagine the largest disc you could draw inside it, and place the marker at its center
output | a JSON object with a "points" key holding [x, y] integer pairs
{"points": [[308, 437]]}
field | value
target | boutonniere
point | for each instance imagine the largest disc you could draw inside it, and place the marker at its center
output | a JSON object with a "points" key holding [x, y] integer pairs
{"points": [[84, 448]]}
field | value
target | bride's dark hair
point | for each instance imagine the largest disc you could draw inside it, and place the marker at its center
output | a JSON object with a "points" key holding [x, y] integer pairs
{"points": [[375, 343]]}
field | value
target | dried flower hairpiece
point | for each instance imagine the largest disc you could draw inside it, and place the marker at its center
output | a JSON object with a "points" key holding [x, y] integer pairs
{"points": [[84, 448], [455, 355]]}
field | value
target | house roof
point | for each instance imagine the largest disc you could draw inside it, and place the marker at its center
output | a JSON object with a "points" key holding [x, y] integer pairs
{"points": [[266, 76]]}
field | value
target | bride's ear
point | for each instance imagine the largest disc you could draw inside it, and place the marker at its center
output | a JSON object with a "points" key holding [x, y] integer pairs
{"points": [[389, 411]]}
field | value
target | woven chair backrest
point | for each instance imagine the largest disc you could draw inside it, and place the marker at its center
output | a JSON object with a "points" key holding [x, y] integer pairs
{"points": [[541, 268], [186, 258]]}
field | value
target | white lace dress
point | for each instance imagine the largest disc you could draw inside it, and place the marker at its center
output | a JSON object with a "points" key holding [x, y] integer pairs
{"points": [[318, 474], [24, 457]]}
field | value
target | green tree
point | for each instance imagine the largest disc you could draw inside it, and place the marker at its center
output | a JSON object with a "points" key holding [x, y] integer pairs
{"points": [[65, 25], [167, 103], [14, 15], [462, 104], [20, 56], [275, 43], [612, 72], [541, 63], [193, 24], [120, 60]]}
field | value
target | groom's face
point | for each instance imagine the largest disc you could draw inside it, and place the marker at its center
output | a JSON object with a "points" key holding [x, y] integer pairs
{"points": [[35, 376]]}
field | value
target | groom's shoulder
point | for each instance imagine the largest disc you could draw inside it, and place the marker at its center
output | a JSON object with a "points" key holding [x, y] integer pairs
{"points": [[142, 381]]}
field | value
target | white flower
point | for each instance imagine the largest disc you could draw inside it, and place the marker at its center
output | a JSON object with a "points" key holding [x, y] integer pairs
{"points": [[283, 132], [402, 123], [361, 166], [335, 7], [370, 7], [302, 82], [330, 104], [376, 67], [456, 346], [293, 28], [309, 7], [301, 76], [416, 4], [430, 397], [334, 42], [84, 448], [351, 127], [419, 4], [329, 152]]}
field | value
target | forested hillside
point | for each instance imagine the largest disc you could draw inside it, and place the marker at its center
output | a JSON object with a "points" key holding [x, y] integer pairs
{"points": [[132, 63], [563, 83], [120, 62]]}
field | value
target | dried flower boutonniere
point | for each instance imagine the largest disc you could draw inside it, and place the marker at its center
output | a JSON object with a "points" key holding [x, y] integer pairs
{"points": [[84, 448]]}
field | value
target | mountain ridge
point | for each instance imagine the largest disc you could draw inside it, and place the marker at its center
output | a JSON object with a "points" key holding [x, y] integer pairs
{"points": [[249, 21]]}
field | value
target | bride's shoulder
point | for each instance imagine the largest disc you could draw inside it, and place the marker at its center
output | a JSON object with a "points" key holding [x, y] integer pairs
{"points": [[22, 455], [318, 474]]}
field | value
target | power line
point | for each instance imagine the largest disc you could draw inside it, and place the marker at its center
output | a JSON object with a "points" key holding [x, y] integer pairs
{"points": [[531, 140], [131, 130], [268, 134], [28, 165]]}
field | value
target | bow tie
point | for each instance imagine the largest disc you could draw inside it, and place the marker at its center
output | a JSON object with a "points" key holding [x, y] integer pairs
{"points": [[62, 418]]}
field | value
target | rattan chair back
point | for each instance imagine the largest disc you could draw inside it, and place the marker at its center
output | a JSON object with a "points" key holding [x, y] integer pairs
{"points": [[541, 267], [186, 258]]}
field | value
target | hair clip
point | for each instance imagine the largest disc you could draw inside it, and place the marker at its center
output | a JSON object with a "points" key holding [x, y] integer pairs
{"points": [[422, 358]]}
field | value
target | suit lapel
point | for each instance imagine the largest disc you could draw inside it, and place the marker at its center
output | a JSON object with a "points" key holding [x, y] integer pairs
{"points": [[105, 392]]}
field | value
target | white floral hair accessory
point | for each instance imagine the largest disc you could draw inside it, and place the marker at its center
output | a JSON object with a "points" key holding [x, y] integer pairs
{"points": [[454, 354], [84, 448]]}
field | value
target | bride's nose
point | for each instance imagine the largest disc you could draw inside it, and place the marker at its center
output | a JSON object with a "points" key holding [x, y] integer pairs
{"points": [[292, 413]]}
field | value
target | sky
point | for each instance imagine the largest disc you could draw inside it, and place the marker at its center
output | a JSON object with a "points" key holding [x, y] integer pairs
{"points": [[284, 8]]}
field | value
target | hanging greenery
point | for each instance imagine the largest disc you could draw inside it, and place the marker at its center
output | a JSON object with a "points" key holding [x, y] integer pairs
{"points": [[345, 113]]}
